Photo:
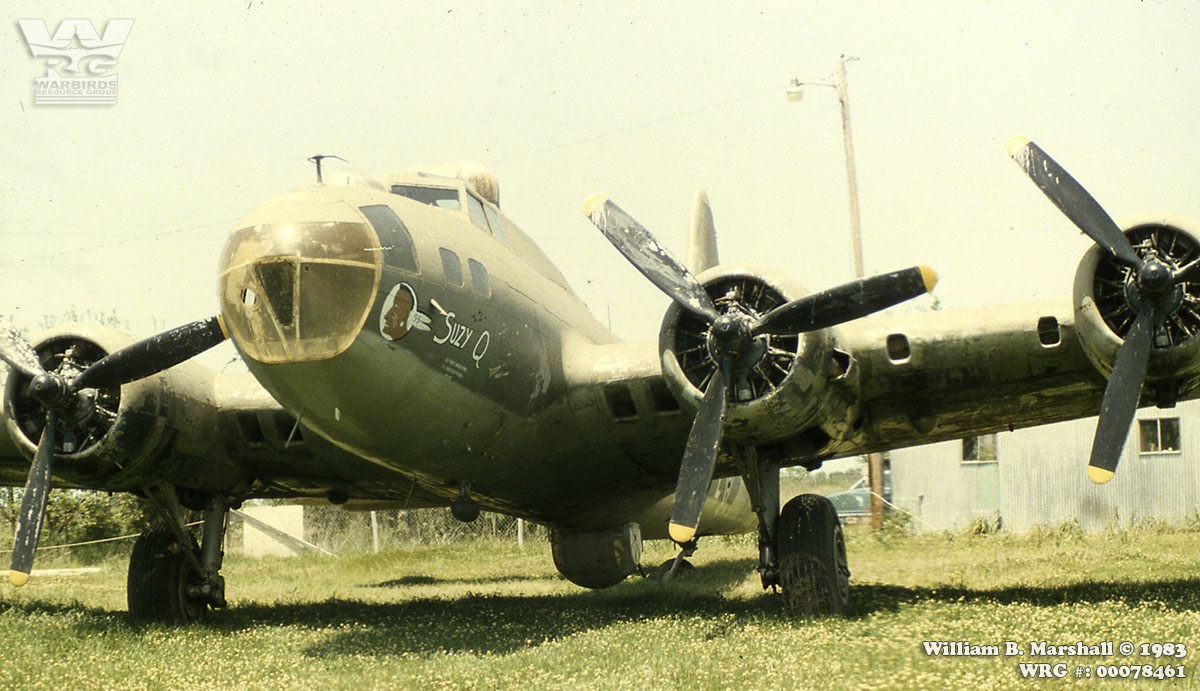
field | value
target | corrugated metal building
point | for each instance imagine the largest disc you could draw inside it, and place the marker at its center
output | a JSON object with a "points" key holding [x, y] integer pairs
{"points": [[1038, 476]]}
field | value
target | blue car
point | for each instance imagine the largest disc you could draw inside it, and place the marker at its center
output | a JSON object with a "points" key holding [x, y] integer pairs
{"points": [[856, 501]]}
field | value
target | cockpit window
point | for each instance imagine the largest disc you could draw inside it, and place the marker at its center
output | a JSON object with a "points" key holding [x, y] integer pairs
{"points": [[451, 267], [394, 240], [475, 207], [493, 219], [441, 197]]}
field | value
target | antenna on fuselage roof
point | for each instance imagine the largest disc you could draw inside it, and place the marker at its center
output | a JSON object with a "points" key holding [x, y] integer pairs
{"points": [[317, 159]]}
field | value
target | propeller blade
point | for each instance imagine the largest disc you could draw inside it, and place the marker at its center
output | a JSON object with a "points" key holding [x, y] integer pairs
{"points": [[847, 302], [1072, 199], [33, 505], [1121, 399], [652, 259], [699, 458], [17, 352], [154, 354], [1187, 273]]}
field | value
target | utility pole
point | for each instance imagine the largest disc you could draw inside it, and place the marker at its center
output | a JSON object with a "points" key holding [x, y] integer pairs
{"points": [[874, 460], [851, 175]]}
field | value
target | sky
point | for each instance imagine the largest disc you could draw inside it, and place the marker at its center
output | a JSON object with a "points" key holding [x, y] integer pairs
{"points": [[124, 209]]}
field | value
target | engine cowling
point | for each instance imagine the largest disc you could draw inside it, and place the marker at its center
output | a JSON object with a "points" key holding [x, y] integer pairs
{"points": [[120, 438], [1103, 313], [781, 394], [597, 559]]}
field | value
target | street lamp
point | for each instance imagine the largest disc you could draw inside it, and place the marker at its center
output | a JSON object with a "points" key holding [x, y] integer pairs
{"points": [[796, 93]]}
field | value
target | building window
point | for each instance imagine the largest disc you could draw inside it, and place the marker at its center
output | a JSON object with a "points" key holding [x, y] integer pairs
{"points": [[981, 449], [1160, 435]]}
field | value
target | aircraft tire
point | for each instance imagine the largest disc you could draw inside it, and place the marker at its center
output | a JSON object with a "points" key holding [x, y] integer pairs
{"points": [[663, 571], [812, 558], [159, 576]]}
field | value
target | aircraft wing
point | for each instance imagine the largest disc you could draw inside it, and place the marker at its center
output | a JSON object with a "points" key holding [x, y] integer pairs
{"points": [[913, 378], [13, 466], [198, 429], [941, 375]]}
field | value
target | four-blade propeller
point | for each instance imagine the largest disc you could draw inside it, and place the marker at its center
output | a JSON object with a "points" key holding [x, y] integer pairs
{"points": [[732, 338], [1153, 280], [59, 396]]}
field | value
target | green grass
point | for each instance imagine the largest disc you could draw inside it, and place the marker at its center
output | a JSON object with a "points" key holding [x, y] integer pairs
{"points": [[490, 616]]}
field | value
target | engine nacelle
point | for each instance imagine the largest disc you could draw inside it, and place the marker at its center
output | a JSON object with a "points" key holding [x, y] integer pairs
{"points": [[597, 559], [157, 429], [787, 388], [1103, 314]]}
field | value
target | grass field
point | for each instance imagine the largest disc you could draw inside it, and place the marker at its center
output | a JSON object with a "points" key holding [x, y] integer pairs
{"points": [[488, 615]]}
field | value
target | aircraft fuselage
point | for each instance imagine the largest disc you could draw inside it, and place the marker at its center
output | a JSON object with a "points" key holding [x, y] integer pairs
{"points": [[428, 338]]}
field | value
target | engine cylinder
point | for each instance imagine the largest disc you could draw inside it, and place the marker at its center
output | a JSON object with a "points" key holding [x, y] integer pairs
{"points": [[597, 559]]}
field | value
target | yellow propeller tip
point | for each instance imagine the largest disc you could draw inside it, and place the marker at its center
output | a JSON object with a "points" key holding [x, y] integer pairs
{"points": [[1099, 475], [929, 277], [17, 578], [1016, 145], [680, 533], [592, 202]]}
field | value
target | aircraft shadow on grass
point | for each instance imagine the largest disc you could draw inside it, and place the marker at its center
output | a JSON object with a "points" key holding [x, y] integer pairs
{"points": [[501, 624], [410, 581], [1180, 595]]}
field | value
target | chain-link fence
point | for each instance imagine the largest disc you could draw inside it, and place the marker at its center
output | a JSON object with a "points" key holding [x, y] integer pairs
{"points": [[340, 531]]}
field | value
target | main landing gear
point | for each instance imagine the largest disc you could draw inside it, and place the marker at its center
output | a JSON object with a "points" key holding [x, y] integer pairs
{"points": [[801, 549], [172, 578], [813, 571]]}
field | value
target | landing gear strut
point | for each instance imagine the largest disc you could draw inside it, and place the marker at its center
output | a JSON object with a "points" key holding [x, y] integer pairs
{"points": [[172, 578], [801, 549], [762, 482], [678, 564]]}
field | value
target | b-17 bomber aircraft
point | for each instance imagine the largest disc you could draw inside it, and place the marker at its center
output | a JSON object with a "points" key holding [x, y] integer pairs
{"points": [[408, 344]]}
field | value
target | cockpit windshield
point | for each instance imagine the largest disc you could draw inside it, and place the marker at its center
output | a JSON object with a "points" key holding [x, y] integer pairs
{"points": [[441, 197]]}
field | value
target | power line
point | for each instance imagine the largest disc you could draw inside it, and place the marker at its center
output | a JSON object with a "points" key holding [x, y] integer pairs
{"points": [[637, 126], [115, 243]]}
